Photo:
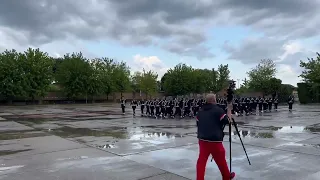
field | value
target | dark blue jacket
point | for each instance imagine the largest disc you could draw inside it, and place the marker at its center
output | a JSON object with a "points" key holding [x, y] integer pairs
{"points": [[211, 120]]}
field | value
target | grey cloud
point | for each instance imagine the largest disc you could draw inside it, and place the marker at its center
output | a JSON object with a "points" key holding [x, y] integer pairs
{"points": [[294, 59], [132, 23], [284, 17], [152, 22], [252, 50]]}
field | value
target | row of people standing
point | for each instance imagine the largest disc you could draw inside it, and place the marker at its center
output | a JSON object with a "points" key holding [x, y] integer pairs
{"points": [[166, 108], [189, 107], [247, 106]]}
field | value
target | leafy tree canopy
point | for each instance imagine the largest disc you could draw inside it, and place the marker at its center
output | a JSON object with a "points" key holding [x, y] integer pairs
{"points": [[11, 75], [75, 74], [311, 72], [262, 77], [146, 82]]}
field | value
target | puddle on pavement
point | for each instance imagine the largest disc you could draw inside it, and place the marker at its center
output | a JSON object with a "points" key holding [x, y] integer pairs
{"points": [[171, 127], [10, 135], [292, 129], [107, 146], [299, 129], [275, 131], [9, 152], [304, 145], [314, 129], [252, 134], [31, 121], [70, 132], [154, 136]]}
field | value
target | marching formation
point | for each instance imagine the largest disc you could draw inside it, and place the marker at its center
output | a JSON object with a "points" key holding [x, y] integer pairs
{"points": [[184, 107]]}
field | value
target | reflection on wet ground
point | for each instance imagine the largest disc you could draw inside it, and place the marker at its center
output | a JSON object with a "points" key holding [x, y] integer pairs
{"points": [[107, 146], [88, 127], [172, 126], [254, 133], [31, 121], [69, 132], [8, 135], [9, 152]]}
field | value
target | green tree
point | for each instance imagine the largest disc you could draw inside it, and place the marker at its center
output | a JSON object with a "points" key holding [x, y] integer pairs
{"points": [[37, 70], [244, 88], [272, 86], [146, 82], [178, 81], [223, 75], [94, 86], [121, 77], [203, 81], [311, 75], [56, 63], [103, 68], [311, 72], [284, 92], [163, 79], [134, 82], [260, 77], [214, 79], [11, 76], [74, 74]]}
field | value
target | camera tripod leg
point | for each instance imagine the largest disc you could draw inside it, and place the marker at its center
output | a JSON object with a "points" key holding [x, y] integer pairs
{"points": [[230, 149], [244, 149]]}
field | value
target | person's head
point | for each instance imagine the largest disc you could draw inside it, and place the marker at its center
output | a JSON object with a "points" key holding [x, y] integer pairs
{"points": [[211, 99]]}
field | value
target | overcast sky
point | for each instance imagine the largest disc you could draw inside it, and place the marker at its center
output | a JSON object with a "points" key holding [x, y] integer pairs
{"points": [[158, 34]]}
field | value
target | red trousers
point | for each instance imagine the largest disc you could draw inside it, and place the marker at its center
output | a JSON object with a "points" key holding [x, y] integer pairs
{"points": [[218, 153]]}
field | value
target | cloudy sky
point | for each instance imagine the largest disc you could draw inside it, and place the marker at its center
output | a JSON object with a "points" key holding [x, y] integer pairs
{"points": [[158, 34]]}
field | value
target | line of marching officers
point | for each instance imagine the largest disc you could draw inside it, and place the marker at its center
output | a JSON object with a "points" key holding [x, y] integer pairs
{"points": [[189, 107]]}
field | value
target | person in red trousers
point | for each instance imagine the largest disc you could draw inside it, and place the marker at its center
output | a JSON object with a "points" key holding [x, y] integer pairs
{"points": [[211, 120]]}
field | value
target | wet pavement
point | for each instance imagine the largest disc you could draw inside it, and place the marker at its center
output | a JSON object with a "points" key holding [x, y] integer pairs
{"points": [[97, 142]]}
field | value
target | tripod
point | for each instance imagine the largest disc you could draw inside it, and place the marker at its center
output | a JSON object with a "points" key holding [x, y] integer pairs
{"points": [[230, 141]]}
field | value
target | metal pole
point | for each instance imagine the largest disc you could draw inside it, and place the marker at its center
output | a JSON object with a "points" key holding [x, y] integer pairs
{"points": [[230, 149], [236, 127]]}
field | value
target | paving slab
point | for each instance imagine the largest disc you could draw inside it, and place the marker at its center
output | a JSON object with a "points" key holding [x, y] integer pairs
{"points": [[36, 145], [166, 176], [266, 163], [6, 114], [74, 165], [136, 141], [82, 141], [12, 126]]}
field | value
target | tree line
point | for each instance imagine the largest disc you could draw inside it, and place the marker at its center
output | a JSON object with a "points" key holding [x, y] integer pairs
{"points": [[33, 73], [309, 90]]}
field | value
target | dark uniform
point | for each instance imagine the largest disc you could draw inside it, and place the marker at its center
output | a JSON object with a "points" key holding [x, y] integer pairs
{"points": [[265, 104], [148, 108], [123, 105], [270, 104], [290, 102], [276, 101], [142, 105], [157, 106], [134, 105], [152, 106], [260, 104]]}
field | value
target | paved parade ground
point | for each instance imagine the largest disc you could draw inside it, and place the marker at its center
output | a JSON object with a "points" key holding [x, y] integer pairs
{"points": [[97, 142]]}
